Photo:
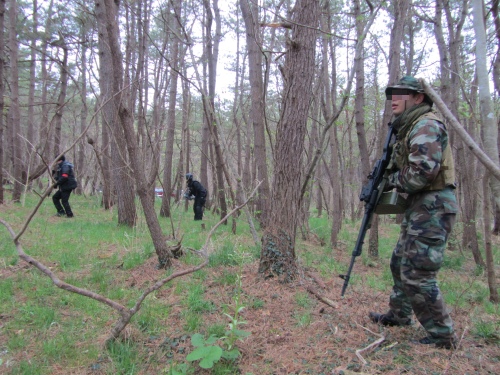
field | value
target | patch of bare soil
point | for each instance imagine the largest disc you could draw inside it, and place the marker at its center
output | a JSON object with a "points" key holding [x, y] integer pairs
{"points": [[330, 340]]}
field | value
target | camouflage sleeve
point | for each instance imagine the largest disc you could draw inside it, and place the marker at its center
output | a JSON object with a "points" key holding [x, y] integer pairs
{"points": [[426, 143]]}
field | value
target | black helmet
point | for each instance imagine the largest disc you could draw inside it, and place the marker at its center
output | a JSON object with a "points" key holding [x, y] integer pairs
{"points": [[407, 83], [62, 157], [189, 176]]}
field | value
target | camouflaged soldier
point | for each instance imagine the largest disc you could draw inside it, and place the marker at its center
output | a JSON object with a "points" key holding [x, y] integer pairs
{"points": [[422, 167]]}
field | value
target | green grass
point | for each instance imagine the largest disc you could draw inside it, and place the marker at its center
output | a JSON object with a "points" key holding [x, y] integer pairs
{"points": [[303, 300], [195, 301], [487, 330], [62, 329], [126, 357]]}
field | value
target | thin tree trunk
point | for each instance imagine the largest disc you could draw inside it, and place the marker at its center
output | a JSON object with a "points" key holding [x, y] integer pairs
{"points": [[488, 117], [61, 99], [125, 116], [488, 248], [30, 134], [496, 81], [2, 92], [172, 101], [468, 183], [14, 112], [397, 33], [250, 14], [212, 50], [79, 167]]}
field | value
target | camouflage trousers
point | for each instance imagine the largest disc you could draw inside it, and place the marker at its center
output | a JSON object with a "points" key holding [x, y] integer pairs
{"points": [[416, 261]]}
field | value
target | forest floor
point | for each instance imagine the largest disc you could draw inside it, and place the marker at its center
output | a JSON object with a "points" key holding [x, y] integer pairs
{"points": [[336, 330], [304, 327]]}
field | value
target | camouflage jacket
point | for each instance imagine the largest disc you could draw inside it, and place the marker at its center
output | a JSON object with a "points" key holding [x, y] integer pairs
{"points": [[422, 160]]}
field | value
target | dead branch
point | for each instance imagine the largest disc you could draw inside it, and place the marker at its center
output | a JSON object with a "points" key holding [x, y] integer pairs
{"points": [[454, 352], [125, 314], [321, 298], [125, 319], [370, 347]]}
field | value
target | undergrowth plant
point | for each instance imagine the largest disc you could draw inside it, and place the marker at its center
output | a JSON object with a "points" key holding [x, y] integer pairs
{"points": [[211, 350], [46, 329]]}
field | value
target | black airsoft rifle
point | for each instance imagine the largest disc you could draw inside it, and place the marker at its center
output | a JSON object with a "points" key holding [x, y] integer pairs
{"points": [[370, 194]]}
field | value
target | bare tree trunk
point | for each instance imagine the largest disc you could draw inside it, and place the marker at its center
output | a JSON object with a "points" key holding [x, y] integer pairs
{"points": [[238, 84], [278, 242], [359, 104], [250, 14], [186, 107], [337, 204], [30, 134], [496, 81], [490, 261], [400, 13], [212, 50], [468, 183], [125, 116], [488, 117], [172, 100], [45, 136], [2, 93], [449, 51], [330, 96], [61, 98], [80, 159], [14, 113], [107, 180], [121, 178]]}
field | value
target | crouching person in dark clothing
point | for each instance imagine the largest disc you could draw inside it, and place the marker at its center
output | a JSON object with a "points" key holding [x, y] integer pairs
{"points": [[66, 182], [197, 192]]}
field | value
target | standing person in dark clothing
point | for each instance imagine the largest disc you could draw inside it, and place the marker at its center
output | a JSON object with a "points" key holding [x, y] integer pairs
{"points": [[196, 191], [66, 181]]}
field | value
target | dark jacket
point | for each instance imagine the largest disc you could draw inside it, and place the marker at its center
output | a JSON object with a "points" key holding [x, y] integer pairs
{"points": [[197, 189], [65, 176]]}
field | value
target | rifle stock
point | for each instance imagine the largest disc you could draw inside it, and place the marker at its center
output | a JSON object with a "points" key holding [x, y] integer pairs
{"points": [[370, 194]]}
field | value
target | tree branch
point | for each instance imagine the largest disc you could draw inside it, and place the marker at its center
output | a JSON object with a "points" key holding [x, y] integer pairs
{"points": [[466, 138]]}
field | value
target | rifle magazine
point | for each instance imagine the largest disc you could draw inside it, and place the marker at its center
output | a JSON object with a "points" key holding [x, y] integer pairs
{"points": [[391, 203]]}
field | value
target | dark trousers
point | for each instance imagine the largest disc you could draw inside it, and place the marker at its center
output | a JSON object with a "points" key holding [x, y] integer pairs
{"points": [[198, 207], [62, 197]]}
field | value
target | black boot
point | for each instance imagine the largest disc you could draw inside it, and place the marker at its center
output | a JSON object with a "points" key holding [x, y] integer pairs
{"points": [[442, 343], [387, 319]]}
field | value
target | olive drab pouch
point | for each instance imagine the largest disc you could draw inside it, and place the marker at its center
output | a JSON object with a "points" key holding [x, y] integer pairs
{"points": [[391, 203]]}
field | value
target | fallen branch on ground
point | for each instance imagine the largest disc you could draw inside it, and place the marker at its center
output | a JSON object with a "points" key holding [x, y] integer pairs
{"points": [[125, 313], [370, 347], [321, 298]]}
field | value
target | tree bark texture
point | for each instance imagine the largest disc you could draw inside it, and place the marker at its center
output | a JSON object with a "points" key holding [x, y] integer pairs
{"points": [[125, 120], [169, 147], [488, 117], [119, 170], [250, 14], [2, 92], [278, 242], [14, 114]]}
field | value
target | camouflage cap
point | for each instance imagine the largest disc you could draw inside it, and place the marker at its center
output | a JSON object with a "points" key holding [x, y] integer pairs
{"points": [[408, 83]]}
